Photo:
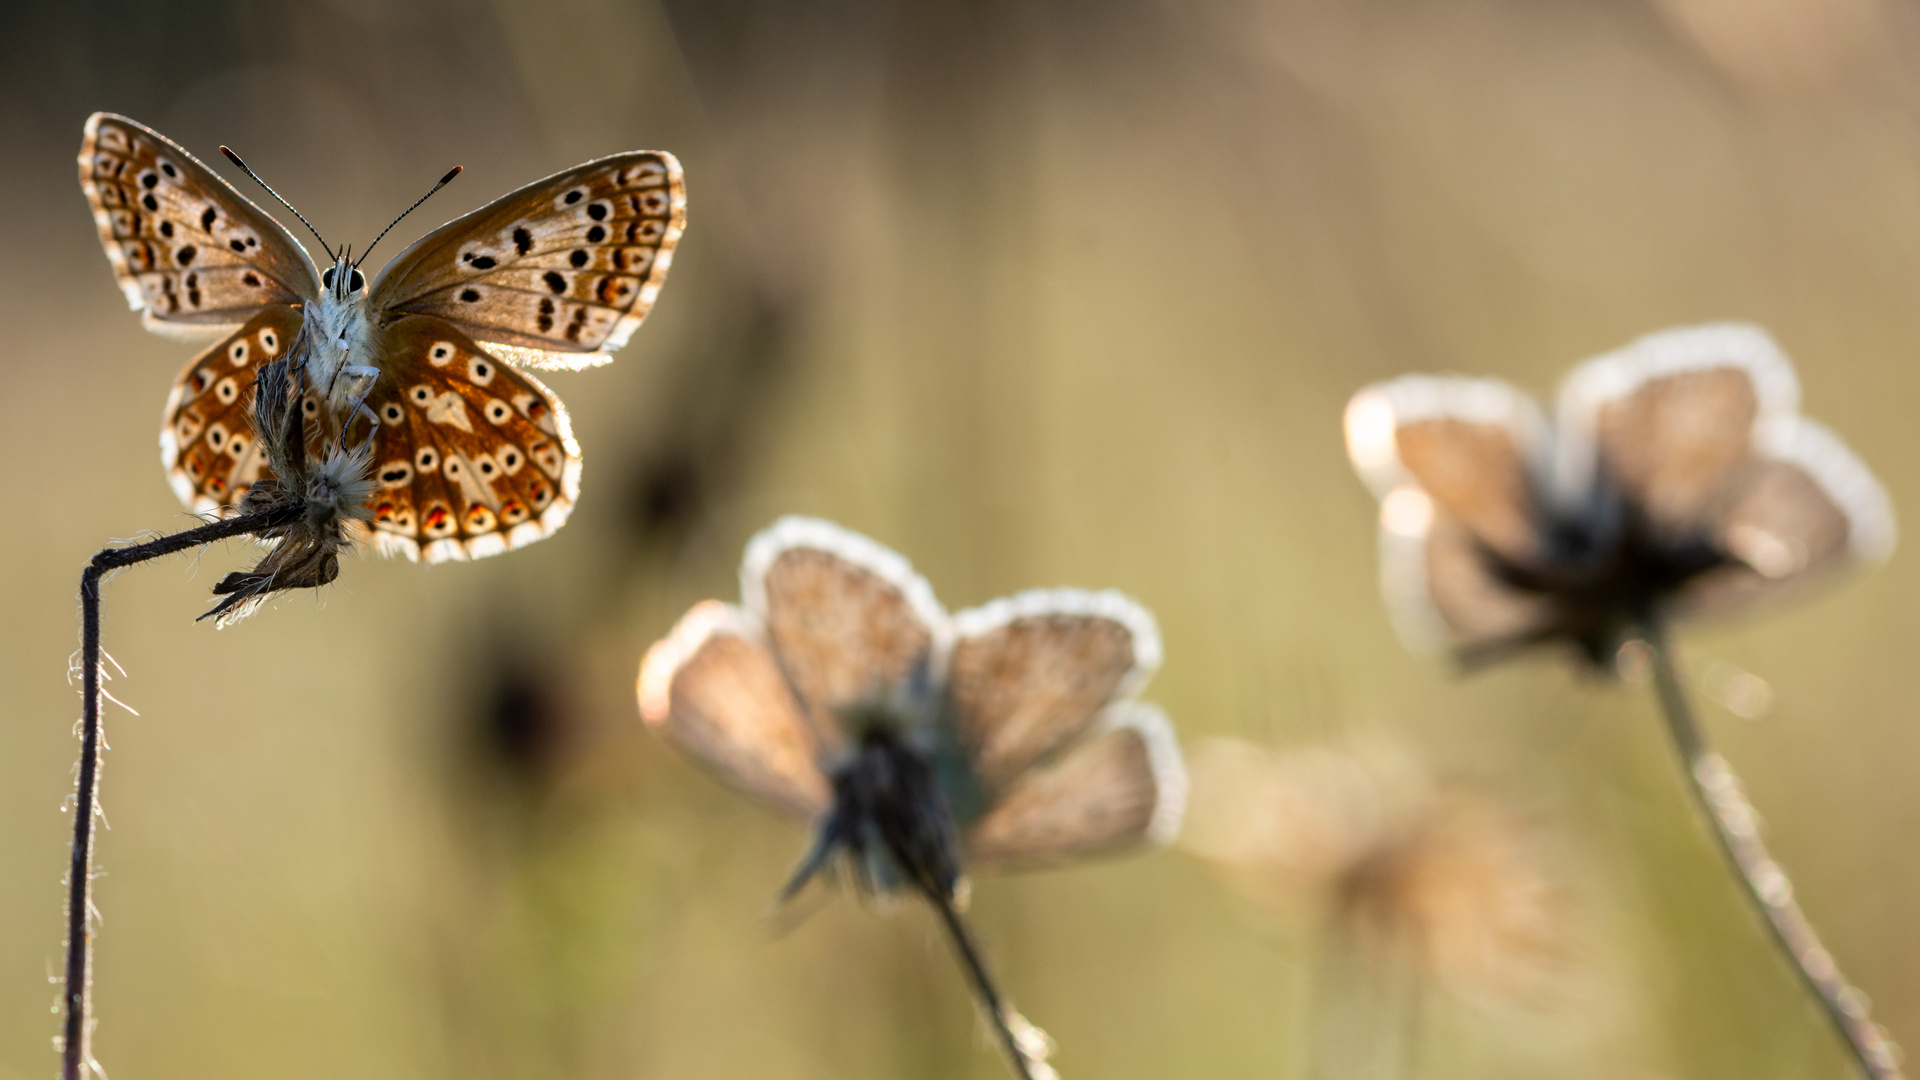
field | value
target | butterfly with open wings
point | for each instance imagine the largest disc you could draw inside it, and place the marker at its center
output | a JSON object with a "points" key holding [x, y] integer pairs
{"points": [[1019, 714], [471, 455], [918, 744], [1678, 478]]}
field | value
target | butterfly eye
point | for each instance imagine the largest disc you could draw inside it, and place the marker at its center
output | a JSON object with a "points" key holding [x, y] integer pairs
{"points": [[326, 278], [356, 282]]}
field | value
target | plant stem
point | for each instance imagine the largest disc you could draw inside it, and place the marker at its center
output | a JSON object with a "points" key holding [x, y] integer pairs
{"points": [[983, 988], [76, 1052], [1717, 791]]}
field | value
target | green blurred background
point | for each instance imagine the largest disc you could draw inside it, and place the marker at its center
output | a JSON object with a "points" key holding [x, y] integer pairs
{"points": [[1037, 293]]}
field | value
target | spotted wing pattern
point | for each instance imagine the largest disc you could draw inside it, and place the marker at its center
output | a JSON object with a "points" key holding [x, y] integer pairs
{"points": [[471, 457], [185, 246], [206, 436], [566, 265]]}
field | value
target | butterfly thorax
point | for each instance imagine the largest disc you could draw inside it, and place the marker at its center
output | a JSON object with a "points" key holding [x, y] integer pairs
{"points": [[1608, 569], [891, 804], [339, 336], [889, 820]]}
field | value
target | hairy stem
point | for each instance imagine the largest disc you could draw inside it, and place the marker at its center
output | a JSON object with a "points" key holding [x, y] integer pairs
{"points": [[76, 1053], [998, 1013], [1737, 827]]}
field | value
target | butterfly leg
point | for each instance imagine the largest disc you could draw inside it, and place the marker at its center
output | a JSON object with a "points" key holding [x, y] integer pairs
{"points": [[361, 382]]}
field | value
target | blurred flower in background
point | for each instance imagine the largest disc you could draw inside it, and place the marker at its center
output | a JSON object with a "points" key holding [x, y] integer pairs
{"points": [[1403, 868], [1403, 883]]}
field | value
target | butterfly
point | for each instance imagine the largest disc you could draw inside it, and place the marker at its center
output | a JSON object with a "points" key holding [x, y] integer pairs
{"points": [[1021, 711], [426, 363], [917, 744], [1677, 478]]}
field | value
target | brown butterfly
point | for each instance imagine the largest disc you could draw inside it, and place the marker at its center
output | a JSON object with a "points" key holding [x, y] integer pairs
{"points": [[1678, 478], [1021, 711], [919, 744], [471, 455]]}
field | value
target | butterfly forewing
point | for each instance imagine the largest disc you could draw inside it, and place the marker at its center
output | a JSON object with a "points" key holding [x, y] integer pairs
{"points": [[185, 246], [848, 619], [1669, 419], [471, 457], [569, 264], [714, 688], [1473, 446], [1458, 465], [1029, 673], [1118, 786], [207, 441]]}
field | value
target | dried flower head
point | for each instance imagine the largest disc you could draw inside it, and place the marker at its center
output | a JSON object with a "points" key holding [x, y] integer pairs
{"points": [[327, 492], [1393, 863], [1678, 478]]}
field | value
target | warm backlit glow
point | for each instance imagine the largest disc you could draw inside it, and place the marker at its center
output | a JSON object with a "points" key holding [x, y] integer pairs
{"points": [[1406, 512], [667, 654], [1370, 425]]}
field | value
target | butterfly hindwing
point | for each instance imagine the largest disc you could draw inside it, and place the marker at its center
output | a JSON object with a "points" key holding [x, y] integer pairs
{"points": [[207, 442], [1803, 505], [1119, 785], [714, 687], [471, 457], [186, 247], [568, 264]]}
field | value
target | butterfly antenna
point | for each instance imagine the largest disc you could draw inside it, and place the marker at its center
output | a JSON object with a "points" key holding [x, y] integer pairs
{"points": [[444, 181], [235, 158]]}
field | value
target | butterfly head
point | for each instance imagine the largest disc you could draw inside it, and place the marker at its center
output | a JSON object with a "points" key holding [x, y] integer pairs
{"points": [[342, 279]]}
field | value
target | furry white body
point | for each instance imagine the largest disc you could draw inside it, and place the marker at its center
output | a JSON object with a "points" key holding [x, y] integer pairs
{"points": [[340, 340]]}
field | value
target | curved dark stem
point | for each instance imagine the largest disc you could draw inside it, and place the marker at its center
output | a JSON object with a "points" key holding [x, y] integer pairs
{"points": [[1737, 827], [982, 983], [76, 1054]]}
